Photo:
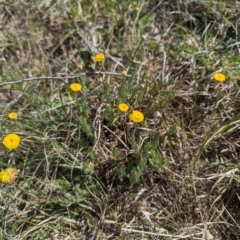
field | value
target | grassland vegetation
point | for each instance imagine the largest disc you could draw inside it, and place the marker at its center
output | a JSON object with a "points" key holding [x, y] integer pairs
{"points": [[119, 119]]}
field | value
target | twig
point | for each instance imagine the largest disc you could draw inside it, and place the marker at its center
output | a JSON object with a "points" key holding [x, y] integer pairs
{"points": [[62, 76]]}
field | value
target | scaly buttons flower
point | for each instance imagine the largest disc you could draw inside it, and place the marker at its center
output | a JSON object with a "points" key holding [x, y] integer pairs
{"points": [[12, 115], [76, 87], [99, 57], [136, 116], [11, 141], [219, 77], [8, 175], [123, 107]]}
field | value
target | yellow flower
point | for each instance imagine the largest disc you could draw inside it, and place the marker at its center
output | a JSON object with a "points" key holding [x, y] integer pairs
{"points": [[220, 77], [99, 57], [8, 175], [123, 107], [11, 141], [12, 115], [76, 87], [136, 116]]}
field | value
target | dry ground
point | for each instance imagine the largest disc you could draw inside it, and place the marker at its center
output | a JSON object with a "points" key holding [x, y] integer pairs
{"points": [[87, 172]]}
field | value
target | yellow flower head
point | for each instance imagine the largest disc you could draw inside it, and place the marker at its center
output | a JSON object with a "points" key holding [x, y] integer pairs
{"points": [[8, 175], [99, 57], [12, 115], [136, 116], [123, 107], [76, 87], [11, 141], [220, 77]]}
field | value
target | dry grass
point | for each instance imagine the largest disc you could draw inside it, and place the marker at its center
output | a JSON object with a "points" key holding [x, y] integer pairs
{"points": [[86, 171]]}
